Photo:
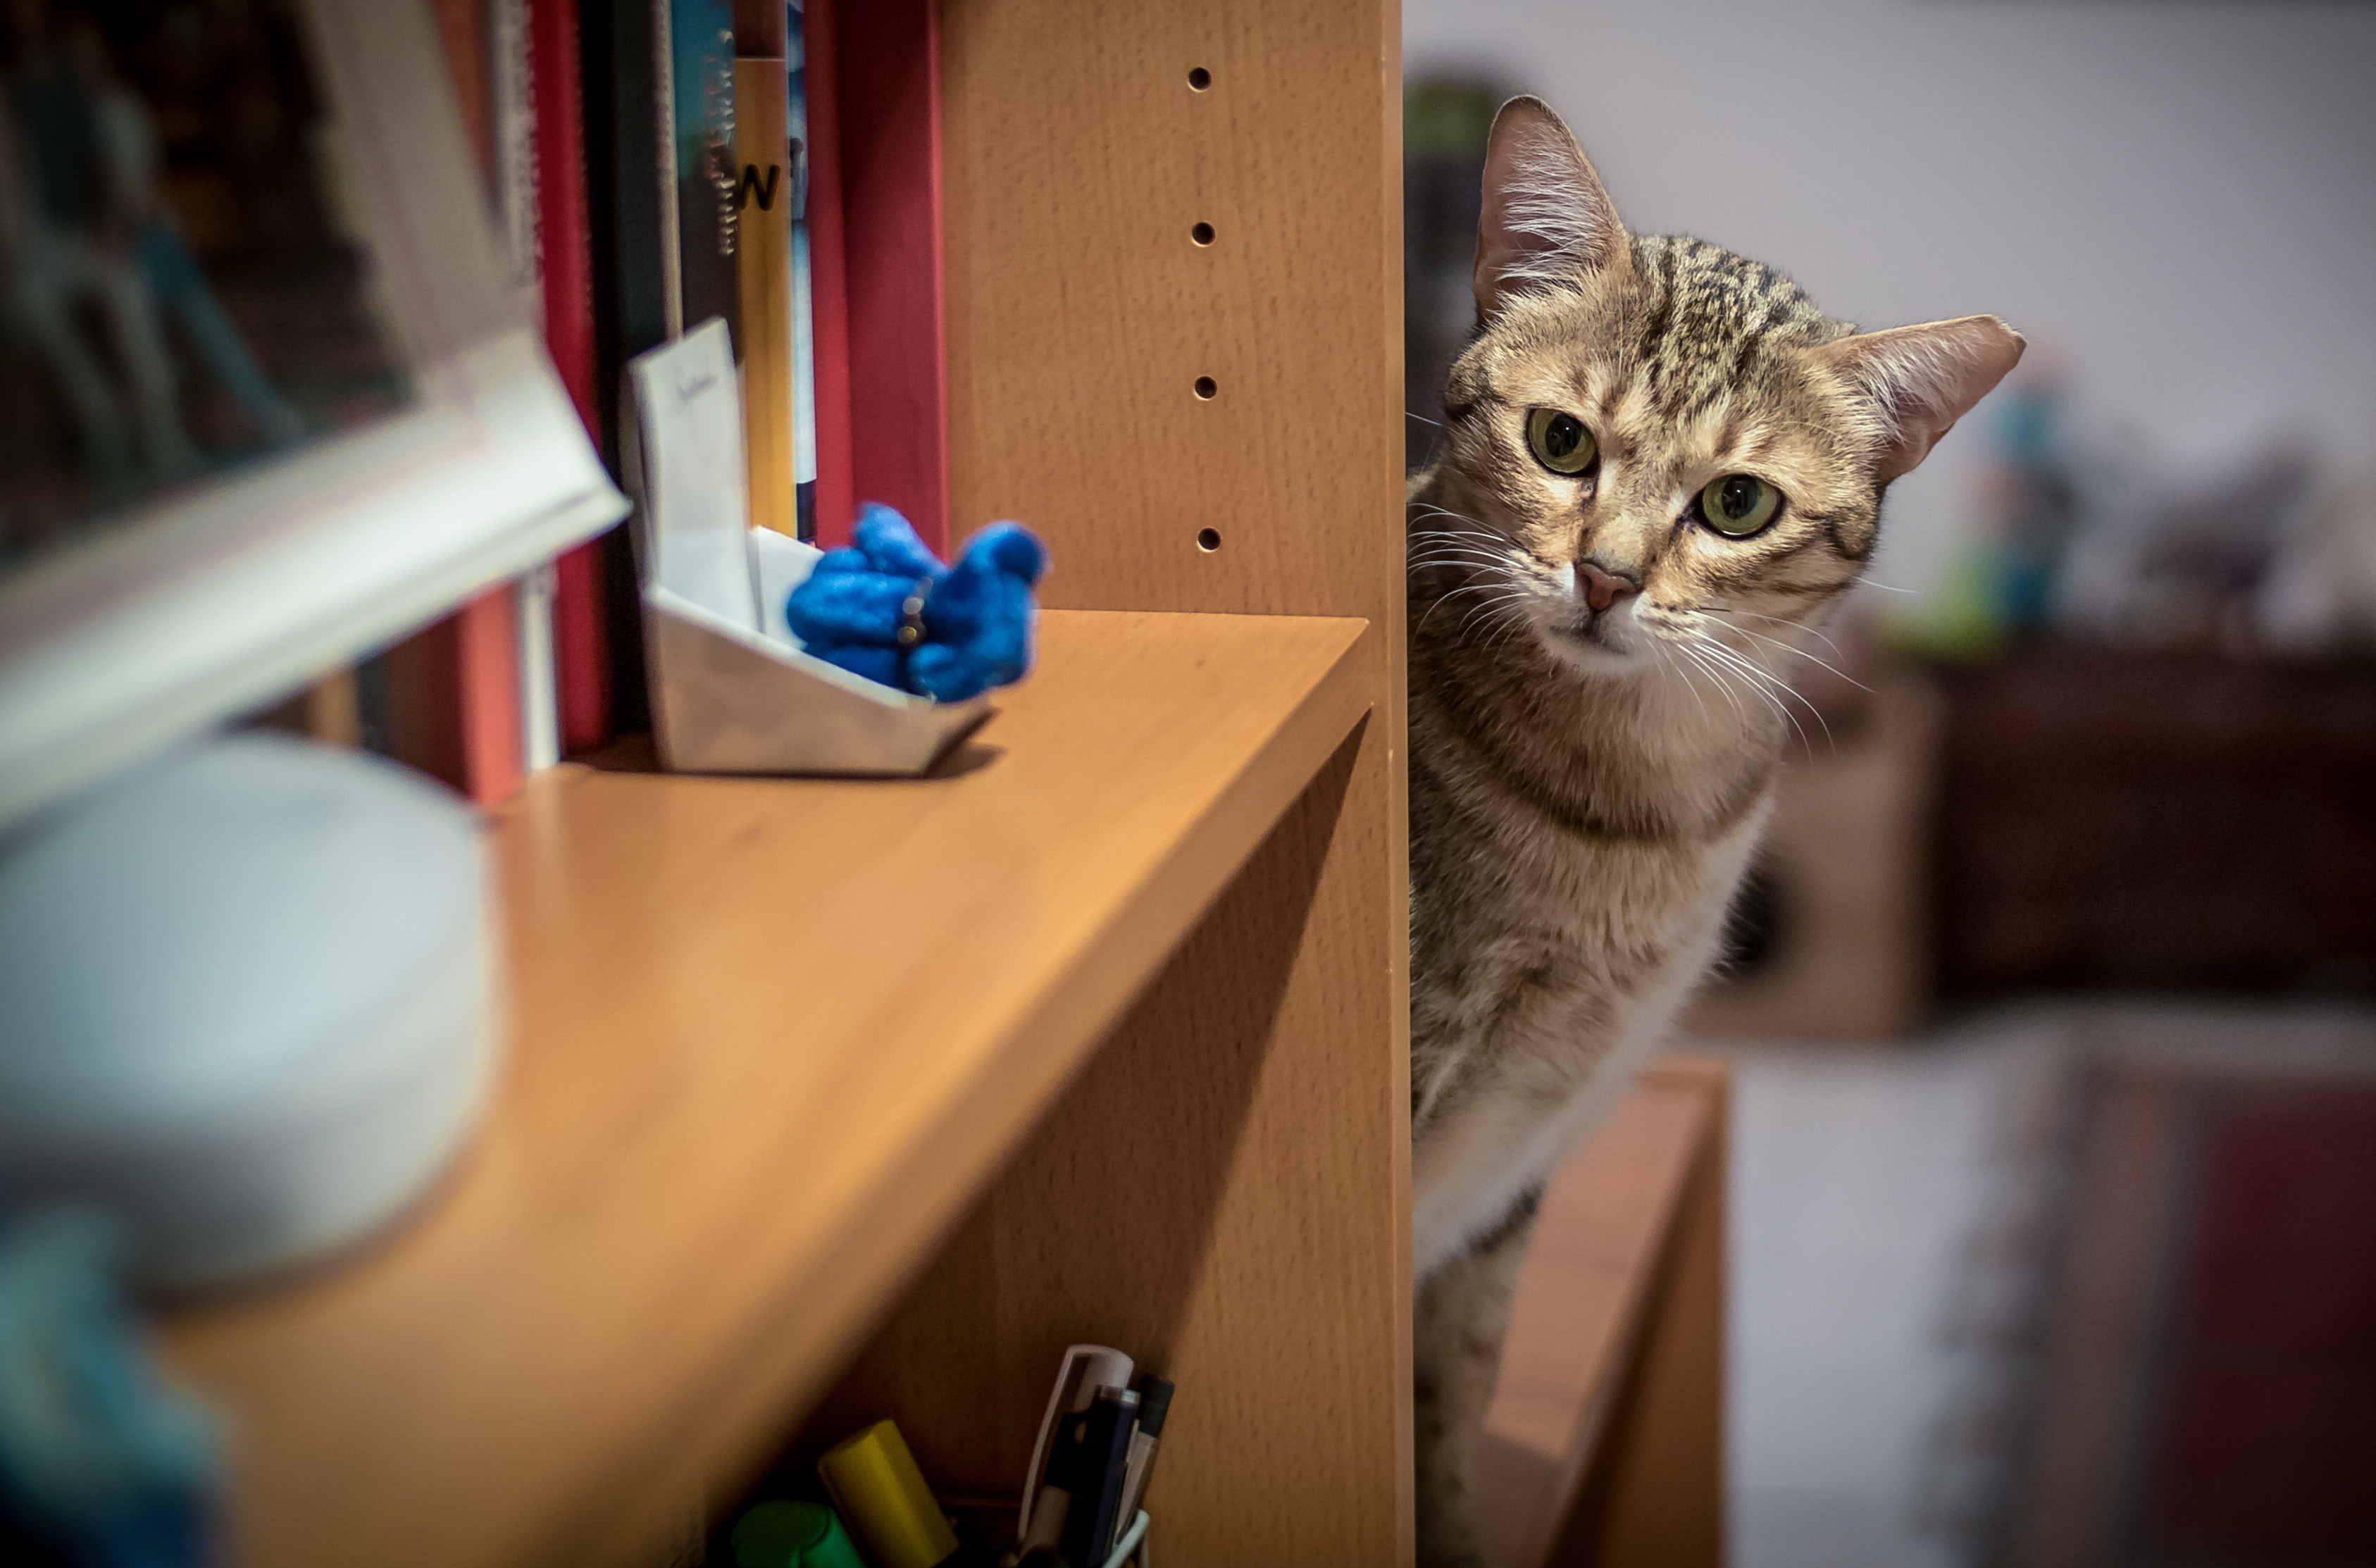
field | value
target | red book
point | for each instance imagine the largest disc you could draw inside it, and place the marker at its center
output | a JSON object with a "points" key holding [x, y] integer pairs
{"points": [[828, 277], [487, 630], [580, 653], [455, 686], [889, 89]]}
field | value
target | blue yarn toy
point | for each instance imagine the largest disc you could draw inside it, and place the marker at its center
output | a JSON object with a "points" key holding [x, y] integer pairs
{"points": [[886, 609]]}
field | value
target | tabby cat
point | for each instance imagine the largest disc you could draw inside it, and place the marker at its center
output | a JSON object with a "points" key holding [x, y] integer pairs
{"points": [[1661, 465]]}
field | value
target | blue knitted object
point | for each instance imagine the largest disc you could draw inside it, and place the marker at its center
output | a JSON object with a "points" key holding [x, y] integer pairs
{"points": [[974, 624]]}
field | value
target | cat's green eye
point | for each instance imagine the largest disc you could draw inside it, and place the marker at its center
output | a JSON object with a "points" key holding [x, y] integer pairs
{"points": [[1739, 504], [1560, 442]]}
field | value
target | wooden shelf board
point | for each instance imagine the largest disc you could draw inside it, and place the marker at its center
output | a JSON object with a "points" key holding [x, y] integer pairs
{"points": [[1586, 1294], [770, 1036]]}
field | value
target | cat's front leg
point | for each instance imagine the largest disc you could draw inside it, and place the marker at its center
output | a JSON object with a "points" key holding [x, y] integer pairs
{"points": [[1460, 1315]]}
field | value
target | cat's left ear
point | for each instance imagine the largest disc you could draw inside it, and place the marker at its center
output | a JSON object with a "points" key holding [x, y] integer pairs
{"points": [[1546, 217], [1924, 378]]}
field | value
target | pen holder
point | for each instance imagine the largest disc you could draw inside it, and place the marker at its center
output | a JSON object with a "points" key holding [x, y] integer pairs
{"points": [[1130, 1547]]}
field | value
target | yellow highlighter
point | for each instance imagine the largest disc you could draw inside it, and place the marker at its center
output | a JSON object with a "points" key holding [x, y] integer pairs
{"points": [[874, 1483]]}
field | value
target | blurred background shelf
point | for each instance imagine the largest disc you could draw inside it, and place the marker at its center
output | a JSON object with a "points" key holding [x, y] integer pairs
{"points": [[771, 1034], [2176, 819]]}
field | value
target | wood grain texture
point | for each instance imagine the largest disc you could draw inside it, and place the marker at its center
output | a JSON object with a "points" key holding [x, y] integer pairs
{"points": [[771, 1036], [1603, 1444], [888, 85], [1271, 1060], [1081, 312], [1214, 1198]]}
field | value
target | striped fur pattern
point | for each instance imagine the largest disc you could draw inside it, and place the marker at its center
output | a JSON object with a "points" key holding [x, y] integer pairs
{"points": [[1587, 785]]}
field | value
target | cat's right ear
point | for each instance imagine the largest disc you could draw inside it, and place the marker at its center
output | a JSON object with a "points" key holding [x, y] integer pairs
{"points": [[1546, 218], [1922, 379]]}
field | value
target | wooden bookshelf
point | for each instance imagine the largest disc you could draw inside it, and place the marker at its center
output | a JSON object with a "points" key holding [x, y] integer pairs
{"points": [[770, 1036], [833, 1100]]}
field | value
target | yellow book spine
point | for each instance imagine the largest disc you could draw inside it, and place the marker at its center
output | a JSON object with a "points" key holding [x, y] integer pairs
{"points": [[762, 200]]}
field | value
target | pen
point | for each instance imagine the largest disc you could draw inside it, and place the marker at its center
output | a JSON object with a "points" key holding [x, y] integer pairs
{"points": [[1050, 1484], [1154, 1400], [1100, 1450]]}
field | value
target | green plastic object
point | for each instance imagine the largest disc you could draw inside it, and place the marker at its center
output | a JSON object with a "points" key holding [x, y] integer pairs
{"points": [[792, 1535]]}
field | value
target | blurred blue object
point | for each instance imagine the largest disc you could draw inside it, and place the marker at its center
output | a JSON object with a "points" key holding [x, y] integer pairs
{"points": [[885, 608], [2041, 501], [98, 1454]]}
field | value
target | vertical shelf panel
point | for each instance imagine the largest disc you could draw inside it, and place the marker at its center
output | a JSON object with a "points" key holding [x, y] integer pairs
{"points": [[1083, 311], [1211, 1196], [1225, 1193]]}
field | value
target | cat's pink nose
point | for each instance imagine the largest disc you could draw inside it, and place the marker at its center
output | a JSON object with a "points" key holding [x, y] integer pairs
{"points": [[1603, 587]]}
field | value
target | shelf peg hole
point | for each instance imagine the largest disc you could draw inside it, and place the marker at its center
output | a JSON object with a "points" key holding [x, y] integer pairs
{"points": [[1199, 79], [1207, 386], [1202, 234], [1208, 540]]}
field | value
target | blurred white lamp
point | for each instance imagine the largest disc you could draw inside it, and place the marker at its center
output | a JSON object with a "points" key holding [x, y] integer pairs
{"points": [[250, 1004]]}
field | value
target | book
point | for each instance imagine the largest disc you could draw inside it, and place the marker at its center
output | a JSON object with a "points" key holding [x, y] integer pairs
{"points": [[621, 44], [511, 127], [486, 633], [834, 503], [796, 129], [701, 166], [763, 201], [580, 648], [454, 687], [515, 188]]}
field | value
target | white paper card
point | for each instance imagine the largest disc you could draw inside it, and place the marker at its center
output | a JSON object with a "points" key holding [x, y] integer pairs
{"points": [[697, 510]]}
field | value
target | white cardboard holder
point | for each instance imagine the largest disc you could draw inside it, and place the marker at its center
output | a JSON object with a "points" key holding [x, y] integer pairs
{"points": [[732, 690]]}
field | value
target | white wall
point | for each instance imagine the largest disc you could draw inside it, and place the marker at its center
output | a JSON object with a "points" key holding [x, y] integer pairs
{"points": [[2179, 197]]}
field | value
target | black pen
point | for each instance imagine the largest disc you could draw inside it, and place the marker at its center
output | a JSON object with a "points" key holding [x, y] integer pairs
{"points": [[1154, 1399], [1101, 1454]]}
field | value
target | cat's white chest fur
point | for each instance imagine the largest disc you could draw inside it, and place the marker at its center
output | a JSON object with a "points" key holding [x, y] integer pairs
{"points": [[1537, 1079]]}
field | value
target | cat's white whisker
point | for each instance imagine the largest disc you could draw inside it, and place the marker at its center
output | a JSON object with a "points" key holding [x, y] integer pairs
{"points": [[1489, 608], [1777, 691], [1441, 599], [1736, 670], [1429, 509], [1740, 715], [1460, 555], [1665, 649], [1811, 630], [1802, 653]]}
